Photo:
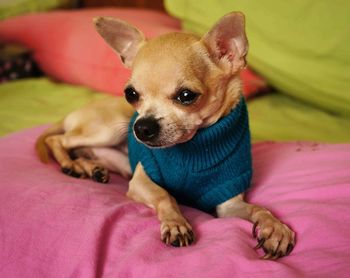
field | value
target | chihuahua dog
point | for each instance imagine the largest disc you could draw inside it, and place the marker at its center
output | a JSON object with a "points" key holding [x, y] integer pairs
{"points": [[189, 138]]}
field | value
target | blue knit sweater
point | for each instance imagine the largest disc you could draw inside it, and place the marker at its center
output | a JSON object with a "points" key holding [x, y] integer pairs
{"points": [[214, 166]]}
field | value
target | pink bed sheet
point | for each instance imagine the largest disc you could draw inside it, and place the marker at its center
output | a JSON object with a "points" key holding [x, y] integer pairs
{"points": [[52, 225]]}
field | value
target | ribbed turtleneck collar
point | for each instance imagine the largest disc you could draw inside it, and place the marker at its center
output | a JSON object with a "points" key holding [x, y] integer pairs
{"points": [[213, 144]]}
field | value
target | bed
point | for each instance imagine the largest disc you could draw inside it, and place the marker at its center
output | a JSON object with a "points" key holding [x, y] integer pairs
{"points": [[53, 225]]}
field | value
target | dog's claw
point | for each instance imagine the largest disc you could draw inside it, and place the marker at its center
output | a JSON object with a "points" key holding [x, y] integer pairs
{"points": [[177, 233], [261, 242], [275, 251], [270, 254], [187, 240], [166, 238], [190, 237], [279, 255], [265, 250], [290, 248], [70, 172], [181, 240], [266, 256], [275, 238], [254, 229]]}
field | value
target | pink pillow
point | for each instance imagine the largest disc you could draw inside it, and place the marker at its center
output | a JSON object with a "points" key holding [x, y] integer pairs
{"points": [[67, 47]]}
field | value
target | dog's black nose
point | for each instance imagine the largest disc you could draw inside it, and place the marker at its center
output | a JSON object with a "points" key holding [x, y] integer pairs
{"points": [[146, 129]]}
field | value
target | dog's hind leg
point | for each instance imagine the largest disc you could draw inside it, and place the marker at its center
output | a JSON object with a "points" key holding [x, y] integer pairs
{"points": [[99, 124], [61, 155], [61, 145], [97, 161]]}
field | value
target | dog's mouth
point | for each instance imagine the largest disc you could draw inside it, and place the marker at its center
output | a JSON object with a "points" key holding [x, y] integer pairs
{"points": [[150, 132], [155, 145], [158, 144], [164, 142]]}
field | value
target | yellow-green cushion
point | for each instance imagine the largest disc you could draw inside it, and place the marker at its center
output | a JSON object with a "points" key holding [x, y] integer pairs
{"points": [[277, 117], [30, 102], [17, 7], [301, 46]]}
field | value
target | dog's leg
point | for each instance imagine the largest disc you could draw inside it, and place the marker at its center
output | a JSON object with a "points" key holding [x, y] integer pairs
{"points": [[81, 167], [276, 238], [96, 162], [174, 228], [62, 157]]}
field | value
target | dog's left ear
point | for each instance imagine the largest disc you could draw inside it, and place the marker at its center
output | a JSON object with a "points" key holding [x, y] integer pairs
{"points": [[124, 38], [227, 42]]}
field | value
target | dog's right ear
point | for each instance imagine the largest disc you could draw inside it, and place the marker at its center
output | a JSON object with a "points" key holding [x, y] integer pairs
{"points": [[227, 41], [124, 38]]}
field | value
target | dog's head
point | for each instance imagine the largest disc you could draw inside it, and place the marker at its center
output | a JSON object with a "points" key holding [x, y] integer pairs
{"points": [[179, 82]]}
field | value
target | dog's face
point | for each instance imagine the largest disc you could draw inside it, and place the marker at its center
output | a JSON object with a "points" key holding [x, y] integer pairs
{"points": [[179, 82]]}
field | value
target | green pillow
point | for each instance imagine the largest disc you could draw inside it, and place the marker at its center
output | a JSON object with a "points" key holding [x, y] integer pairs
{"points": [[17, 7], [279, 117], [301, 47], [30, 102]]}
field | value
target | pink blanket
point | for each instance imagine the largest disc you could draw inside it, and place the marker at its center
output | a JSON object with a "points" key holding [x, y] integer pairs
{"points": [[52, 225]]}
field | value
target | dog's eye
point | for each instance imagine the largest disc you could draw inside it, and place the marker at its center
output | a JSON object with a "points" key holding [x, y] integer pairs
{"points": [[131, 95], [186, 97]]}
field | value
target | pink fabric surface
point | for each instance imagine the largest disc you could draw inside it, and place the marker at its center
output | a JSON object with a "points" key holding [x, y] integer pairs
{"points": [[52, 225], [67, 47]]}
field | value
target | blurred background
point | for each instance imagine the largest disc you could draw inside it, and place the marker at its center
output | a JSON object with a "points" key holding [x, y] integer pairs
{"points": [[149, 4], [297, 81]]}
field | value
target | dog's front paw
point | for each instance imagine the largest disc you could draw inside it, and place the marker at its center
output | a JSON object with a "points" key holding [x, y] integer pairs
{"points": [[177, 232], [276, 238]]}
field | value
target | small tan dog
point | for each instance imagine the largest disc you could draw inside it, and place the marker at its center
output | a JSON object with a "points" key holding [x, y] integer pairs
{"points": [[180, 84]]}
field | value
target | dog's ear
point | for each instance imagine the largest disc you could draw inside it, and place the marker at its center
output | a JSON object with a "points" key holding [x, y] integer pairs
{"points": [[124, 38], [227, 42]]}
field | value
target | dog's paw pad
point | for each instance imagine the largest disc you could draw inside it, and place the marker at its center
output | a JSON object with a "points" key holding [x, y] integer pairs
{"points": [[176, 243], [100, 175]]}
